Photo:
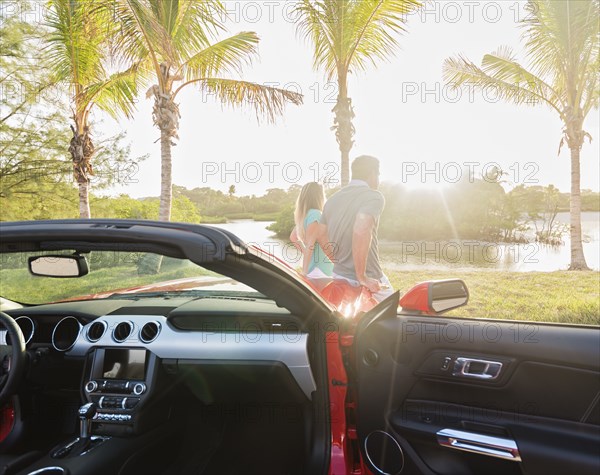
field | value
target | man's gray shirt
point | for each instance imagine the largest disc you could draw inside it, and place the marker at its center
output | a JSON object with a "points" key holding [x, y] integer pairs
{"points": [[339, 215]]}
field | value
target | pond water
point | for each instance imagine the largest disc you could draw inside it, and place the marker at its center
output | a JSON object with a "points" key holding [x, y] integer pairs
{"points": [[455, 255]]}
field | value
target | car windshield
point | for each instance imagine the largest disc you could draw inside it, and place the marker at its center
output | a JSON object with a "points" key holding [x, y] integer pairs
{"points": [[114, 274]]}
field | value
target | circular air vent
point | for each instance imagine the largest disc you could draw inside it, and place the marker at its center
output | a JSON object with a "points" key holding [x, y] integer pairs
{"points": [[122, 331], [149, 332], [27, 328], [95, 331], [65, 333]]}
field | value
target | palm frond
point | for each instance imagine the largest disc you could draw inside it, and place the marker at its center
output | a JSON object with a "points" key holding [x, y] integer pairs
{"points": [[116, 94], [544, 40], [316, 23], [375, 30], [78, 33], [588, 61], [562, 40], [161, 31], [591, 89], [74, 42], [227, 56], [267, 102], [196, 26], [141, 39], [459, 71], [503, 66], [352, 34]]}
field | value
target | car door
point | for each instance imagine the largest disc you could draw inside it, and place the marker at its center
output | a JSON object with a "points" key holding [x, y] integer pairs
{"points": [[441, 395]]}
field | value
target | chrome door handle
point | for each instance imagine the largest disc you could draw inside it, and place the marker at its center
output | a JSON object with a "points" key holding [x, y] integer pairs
{"points": [[476, 368], [481, 444]]}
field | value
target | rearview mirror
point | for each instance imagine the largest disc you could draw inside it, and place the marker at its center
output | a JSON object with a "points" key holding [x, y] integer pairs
{"points": [[435, 296], [58, 266]]}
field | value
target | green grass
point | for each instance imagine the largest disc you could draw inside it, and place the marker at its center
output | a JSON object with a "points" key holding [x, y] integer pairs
{"points": [[233, 216], [213, 219], [20, 286], [559, 297]]}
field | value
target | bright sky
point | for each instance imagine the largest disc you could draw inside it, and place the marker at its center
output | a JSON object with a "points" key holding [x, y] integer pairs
{"points": [[422, 132]]}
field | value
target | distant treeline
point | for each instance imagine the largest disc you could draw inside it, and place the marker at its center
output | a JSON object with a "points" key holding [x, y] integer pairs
{"points": [[471, 209], [216, 206]]}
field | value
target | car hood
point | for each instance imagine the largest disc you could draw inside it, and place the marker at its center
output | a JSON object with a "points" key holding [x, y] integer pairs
{"points": [[189, 283]]}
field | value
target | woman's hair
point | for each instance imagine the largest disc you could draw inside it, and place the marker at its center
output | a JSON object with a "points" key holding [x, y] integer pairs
{"points": [[311, 196]]}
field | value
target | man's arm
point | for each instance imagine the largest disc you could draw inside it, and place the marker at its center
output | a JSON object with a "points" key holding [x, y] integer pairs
{"points": [[361, 242]]}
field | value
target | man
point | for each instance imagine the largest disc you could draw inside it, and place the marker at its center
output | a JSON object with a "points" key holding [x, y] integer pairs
{"points": [[348, 229]]}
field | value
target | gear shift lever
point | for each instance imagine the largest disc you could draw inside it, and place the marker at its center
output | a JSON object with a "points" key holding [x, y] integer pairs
{"points": [[80, 445], [86, 413]]}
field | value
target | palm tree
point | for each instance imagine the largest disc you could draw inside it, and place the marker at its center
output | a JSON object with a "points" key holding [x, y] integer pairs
{"points": [[176, 43], [76, 40], [562, 43], [348, 36]]}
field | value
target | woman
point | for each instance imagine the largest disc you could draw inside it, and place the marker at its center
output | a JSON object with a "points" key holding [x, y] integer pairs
{"points": [[307, 214]]}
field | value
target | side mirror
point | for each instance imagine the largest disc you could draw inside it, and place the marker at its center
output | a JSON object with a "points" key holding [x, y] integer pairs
{"points": [[58, 266], [435, 296]]}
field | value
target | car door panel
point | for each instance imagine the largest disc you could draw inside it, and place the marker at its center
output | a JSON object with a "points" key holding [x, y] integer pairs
{"points": [[544, 396]]}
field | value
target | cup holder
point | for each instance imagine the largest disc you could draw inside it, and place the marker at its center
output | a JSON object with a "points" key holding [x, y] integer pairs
{"points": [[49, 471]]}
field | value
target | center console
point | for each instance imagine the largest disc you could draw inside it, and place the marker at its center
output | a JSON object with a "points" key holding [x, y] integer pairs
{"points": [[123, 414], [121, 380]]}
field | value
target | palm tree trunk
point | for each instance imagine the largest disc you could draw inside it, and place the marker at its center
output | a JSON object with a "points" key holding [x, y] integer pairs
{"points": [[150, 264], [166, 188], [344, 130], [165, 114], [577, 257], [81, 149], [84, 200]]}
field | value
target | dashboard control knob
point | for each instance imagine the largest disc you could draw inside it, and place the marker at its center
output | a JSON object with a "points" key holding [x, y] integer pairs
{"points": [[139, 388], [91, 386]]}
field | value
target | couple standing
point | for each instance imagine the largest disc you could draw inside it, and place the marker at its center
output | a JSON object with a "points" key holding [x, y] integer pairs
{"points": [[339, 238]]}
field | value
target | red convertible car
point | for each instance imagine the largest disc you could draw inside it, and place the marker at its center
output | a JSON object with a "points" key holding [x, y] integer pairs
{"points": [[215, 358]]}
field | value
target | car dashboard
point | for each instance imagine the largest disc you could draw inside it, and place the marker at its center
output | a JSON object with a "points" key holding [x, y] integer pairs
{"points": [[131, 349]]}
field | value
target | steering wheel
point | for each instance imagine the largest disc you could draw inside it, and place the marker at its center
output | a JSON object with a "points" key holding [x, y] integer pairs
{"points": [[10, 378]]}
